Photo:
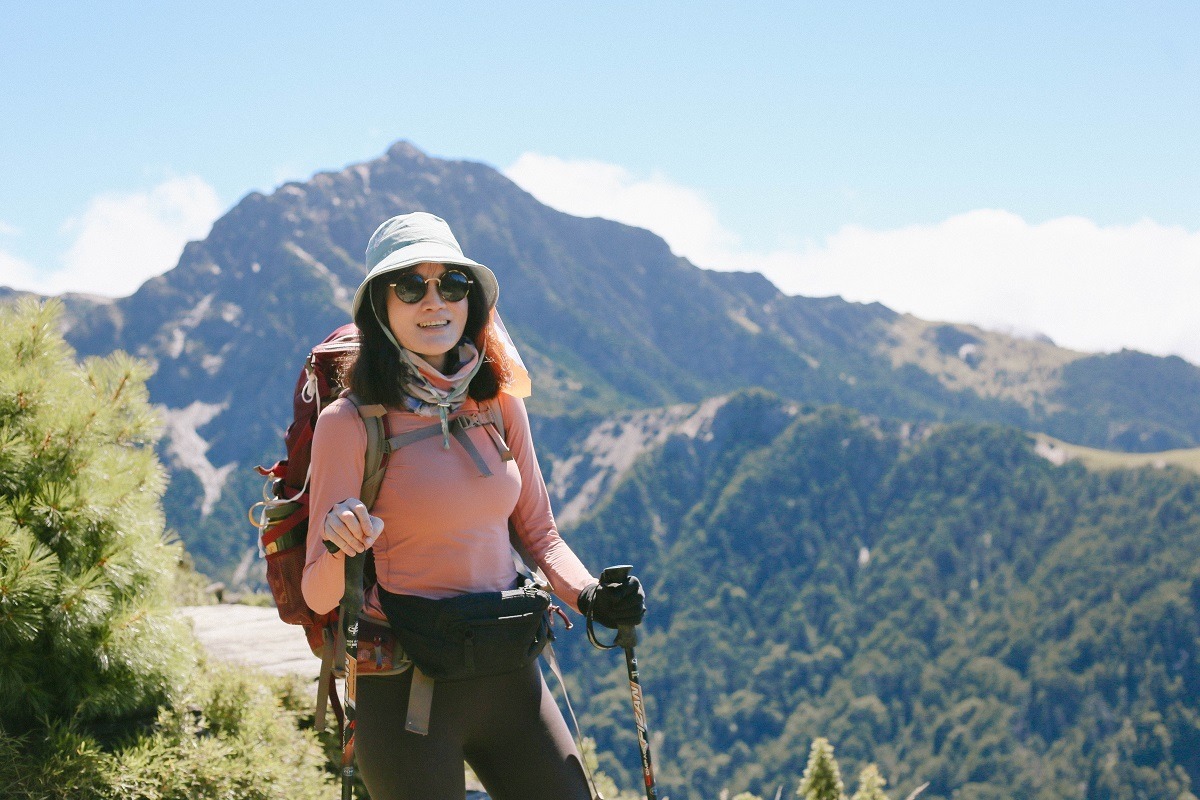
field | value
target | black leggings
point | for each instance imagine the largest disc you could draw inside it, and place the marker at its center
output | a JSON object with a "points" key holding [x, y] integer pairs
{"points": [[507, 727]]}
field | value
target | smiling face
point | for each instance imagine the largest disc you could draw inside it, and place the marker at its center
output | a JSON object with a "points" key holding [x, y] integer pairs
{"points": [[431, 327]]}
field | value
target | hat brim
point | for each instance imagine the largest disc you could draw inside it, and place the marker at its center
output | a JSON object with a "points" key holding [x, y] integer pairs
{"points": [[419, 253]]}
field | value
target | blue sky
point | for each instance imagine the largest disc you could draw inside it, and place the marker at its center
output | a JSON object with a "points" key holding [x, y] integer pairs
{"points": [[1026, 166]]}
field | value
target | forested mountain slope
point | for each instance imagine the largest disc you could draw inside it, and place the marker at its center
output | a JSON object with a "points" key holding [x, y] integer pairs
{"points": [[944, 602]]}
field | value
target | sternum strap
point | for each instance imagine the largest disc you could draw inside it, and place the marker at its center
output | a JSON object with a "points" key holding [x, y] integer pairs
{"points": [[458, 427]]}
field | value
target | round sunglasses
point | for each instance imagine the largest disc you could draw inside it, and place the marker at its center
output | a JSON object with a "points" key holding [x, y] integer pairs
{"points": [[452, 285]]}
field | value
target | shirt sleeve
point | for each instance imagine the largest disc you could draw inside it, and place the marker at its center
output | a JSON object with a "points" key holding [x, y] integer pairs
{"points": [[532, 518], [335, 474]]}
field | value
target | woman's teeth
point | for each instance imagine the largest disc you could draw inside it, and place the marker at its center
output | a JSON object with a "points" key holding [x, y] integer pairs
{"points": [[438, 324]]}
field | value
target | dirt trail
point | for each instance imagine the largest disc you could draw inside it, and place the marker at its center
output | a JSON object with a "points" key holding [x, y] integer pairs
{"points": [[253, 636]]}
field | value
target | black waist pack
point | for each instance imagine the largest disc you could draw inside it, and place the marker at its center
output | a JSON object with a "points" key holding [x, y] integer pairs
{"points": [[471, 635]]}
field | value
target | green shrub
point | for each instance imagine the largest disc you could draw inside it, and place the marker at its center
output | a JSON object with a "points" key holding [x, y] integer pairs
{"points": [[234, 734], [87, 633], [100, 694]]}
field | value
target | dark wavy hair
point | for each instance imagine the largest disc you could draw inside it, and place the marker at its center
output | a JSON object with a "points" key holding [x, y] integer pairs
{"points": [[378, 375]]}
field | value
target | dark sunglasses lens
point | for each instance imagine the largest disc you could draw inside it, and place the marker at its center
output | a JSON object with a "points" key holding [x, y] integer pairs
{"points": [[454, 286], [409, 288]]}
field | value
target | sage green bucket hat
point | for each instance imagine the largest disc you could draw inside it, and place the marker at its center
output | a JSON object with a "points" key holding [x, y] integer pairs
{"points": [[410, 239]]}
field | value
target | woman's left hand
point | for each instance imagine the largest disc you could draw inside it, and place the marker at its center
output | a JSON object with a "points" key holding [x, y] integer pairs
{"points": [[614, 604]]}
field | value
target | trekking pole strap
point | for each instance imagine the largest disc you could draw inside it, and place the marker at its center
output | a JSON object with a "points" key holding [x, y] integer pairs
{"points": [[324, 681], [591, 634]]}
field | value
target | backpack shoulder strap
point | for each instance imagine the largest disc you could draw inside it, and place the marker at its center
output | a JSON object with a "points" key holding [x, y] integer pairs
{"points": [[493, 409], [374, 418], [522, 559], [333, 658], [497, 421]]}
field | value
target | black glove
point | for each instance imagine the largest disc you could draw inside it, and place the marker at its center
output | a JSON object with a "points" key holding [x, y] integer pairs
{"points": [[614, 604]]}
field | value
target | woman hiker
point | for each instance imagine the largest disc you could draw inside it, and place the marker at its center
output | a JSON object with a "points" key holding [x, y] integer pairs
{"points": [[434, 356]]}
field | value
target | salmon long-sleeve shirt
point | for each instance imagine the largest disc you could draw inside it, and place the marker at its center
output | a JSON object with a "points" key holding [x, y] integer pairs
{"points": [[445, 525]]}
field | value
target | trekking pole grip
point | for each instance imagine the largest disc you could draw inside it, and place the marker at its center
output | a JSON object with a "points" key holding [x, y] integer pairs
{"points": [[352, 594], [626, 637]]}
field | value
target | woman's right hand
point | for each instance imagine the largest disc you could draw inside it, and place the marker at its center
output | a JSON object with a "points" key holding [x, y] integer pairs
{"points": [[350, 528]]}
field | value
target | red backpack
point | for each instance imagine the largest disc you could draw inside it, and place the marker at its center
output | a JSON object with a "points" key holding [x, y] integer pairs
{"points": [[282, 516]]}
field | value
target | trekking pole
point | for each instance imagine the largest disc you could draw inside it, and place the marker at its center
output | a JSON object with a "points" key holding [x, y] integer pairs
{"points": [[352, 603], [627, 640]]}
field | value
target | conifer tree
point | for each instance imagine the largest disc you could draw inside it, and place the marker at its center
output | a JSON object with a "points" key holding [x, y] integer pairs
{"points": [[870, 784], [86, 632], [822, 779]]}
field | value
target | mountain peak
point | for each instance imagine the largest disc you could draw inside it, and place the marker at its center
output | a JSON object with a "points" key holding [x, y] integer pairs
{"points": [[605, 315], [404, 150]]}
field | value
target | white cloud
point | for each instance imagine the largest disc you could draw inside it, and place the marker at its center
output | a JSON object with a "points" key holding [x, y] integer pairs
{"points": [[1089, 287], [684, 218], [16, 273], [122, 239]]}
